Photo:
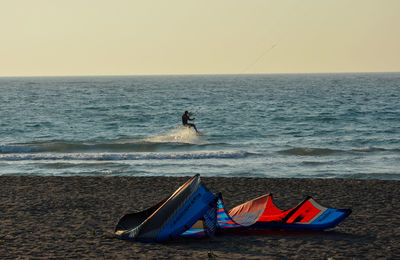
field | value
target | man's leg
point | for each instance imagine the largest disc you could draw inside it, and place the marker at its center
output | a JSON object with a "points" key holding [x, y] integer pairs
{"points": [[194, 127]]}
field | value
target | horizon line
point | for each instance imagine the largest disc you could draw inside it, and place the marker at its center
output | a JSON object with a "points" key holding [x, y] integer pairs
{"points": [[195, 74]]}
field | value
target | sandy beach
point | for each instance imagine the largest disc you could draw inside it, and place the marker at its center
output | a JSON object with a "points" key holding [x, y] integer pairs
{"points": [[74, 217]]}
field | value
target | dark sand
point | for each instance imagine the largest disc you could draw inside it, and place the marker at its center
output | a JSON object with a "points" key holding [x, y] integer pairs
{"points": [[74, 217]]}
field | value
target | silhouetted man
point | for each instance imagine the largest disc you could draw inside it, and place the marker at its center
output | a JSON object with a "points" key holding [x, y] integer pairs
{"points": [[185, 118]]}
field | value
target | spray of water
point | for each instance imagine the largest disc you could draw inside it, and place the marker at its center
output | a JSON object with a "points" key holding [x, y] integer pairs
{"points": [[178, 135]]}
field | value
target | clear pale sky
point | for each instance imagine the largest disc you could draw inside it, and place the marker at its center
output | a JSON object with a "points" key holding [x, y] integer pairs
{"points": [[128, 37]]}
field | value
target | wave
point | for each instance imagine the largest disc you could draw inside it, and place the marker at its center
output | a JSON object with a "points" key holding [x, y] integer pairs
{"points": [[300, 151], [304, 151], [18, 149], [313, 163], [124, 156], [371, 149], [129, 146], [174, 140], [178, 135], [372, 176], [66, 147]]}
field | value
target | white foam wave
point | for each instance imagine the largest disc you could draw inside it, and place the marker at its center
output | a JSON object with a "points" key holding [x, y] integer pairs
{"points": [[123, 156], [178, 135]]}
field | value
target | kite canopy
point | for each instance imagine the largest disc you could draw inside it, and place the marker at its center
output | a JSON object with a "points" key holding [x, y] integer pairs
{"points": [[193, 211], [261, 213], [190, 204]]}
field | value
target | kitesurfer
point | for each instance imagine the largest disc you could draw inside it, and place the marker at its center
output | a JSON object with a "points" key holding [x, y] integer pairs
{"points": [[185, 118]]}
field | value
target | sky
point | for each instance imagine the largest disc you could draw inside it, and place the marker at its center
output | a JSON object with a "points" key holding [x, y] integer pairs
{"points": [[162, 37]]}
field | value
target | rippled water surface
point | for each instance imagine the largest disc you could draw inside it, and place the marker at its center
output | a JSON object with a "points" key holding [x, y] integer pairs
{"points": [[317, 125]]}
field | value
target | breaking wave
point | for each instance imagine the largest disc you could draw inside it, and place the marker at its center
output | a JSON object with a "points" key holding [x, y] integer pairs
{"points": [[124, 156], [174, 140], [178, 135], [67, 147]]}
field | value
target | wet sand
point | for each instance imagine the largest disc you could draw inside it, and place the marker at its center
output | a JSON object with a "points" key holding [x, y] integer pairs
{"points": [[74, 217]]}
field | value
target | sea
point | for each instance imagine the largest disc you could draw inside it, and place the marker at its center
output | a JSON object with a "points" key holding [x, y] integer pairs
{"points": [[267, 126]]}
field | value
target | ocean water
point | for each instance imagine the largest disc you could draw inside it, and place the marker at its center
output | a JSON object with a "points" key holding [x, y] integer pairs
{"points": [[300, 126]]}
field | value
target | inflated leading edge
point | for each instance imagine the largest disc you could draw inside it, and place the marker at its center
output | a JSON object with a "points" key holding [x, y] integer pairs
{"points": [[261, 213], [191, 204], [193, 211]]}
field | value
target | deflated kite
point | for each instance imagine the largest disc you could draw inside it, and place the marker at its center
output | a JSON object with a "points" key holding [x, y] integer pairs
{"points": [[193, 211]]}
